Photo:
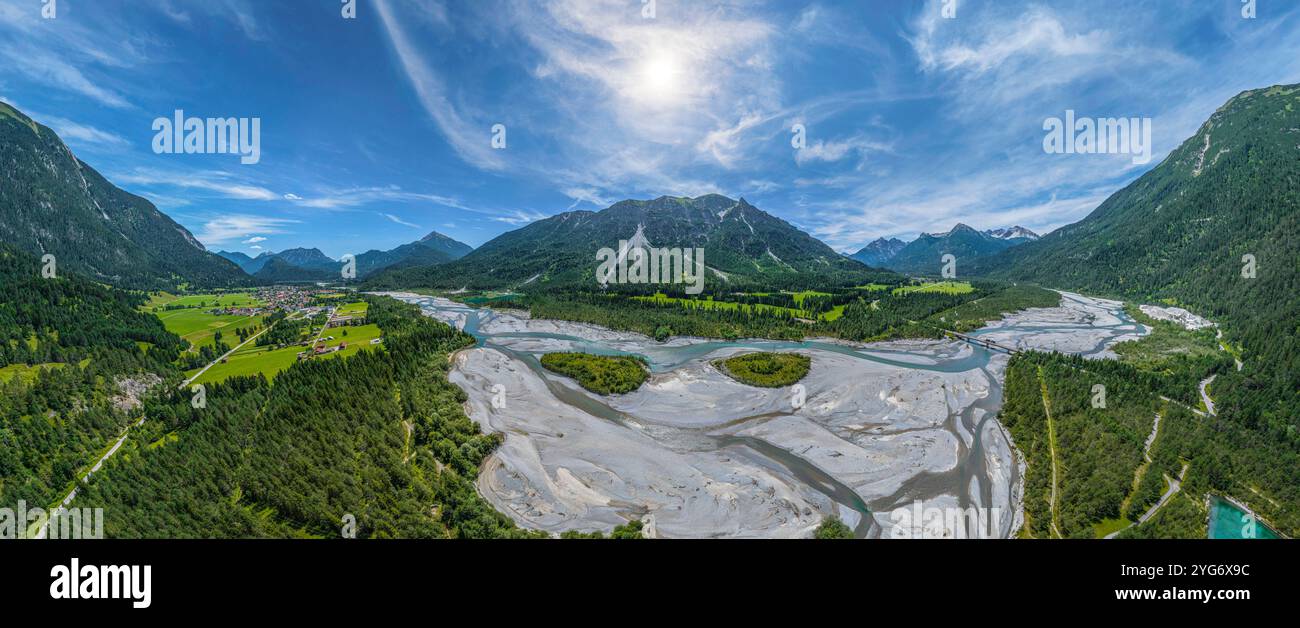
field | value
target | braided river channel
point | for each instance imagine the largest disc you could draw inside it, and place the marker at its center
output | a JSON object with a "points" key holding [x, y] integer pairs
{"points": [[877, 431]]}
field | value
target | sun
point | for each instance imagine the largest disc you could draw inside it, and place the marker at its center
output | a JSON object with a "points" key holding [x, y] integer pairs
{"points": [[660, 79]]}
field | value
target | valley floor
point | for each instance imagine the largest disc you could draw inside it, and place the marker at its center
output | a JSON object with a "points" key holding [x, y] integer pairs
{"points": [[874, 428]]}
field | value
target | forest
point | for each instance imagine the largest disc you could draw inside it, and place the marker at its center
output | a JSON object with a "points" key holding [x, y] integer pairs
{"points": [[766, 370], [91, 339], [867, 313], [601, 374], [379, 436], [1106, 479]]}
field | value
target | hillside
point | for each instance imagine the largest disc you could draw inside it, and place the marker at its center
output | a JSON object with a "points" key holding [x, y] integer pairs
{"points": [[879, 252], [430, 250], [743, 246], [1179, 234], [923, 256], [52, 202]]}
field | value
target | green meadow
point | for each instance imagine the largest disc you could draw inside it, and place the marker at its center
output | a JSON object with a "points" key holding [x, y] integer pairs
{"points": [[709, 304], [269, 361], [353, 309], [226, 299], [199, 327], [943, 287], [24, 372]]}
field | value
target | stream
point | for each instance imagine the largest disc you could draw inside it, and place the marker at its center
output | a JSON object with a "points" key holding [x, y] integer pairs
{"points": [[694, 453]]}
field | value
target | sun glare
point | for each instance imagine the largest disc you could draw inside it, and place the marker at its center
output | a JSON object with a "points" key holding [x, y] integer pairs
{"points": [[660, 79]]}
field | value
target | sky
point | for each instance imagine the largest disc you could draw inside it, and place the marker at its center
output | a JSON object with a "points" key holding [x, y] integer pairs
{"points": [[473, 118]]}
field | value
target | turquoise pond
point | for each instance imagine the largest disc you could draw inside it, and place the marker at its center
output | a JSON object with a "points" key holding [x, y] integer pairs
{"points": [[1227, 521]]}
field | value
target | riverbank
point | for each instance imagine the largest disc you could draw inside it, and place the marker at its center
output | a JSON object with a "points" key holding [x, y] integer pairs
{"points": [[876, 428]]}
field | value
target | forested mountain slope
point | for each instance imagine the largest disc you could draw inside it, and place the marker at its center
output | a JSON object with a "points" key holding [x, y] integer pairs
{"points": [[52, 202], [1187, 232], [924, 255], [1180, 233], [73, 355], [742, 245]]}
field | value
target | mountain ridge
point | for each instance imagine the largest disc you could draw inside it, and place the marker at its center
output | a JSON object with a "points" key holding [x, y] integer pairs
{"points": [[52, 202], [743, 245], [924, 255]]}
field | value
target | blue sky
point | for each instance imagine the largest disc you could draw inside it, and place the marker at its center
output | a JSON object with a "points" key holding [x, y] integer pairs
{"points": [[378, 130]]}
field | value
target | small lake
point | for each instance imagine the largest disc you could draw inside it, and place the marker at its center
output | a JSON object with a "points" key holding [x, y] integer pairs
{"points": [[1229, 521]]}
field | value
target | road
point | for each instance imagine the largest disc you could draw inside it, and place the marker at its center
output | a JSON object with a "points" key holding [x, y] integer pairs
{"points": [[1205, 396], [44, 530], [186, 383], [1174, 486]]}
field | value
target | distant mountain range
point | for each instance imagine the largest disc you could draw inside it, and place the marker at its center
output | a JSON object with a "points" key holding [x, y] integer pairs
{"points": [[302, 264], [52, 202], [879, 252], [743, 246], [924, 255]]}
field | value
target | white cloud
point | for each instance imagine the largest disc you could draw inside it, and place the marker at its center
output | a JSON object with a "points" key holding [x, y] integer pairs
{"points": [[236, 226], [218, 182], [255, 240], [836, 150], [76, 132], [400, 221], [520, 217], [471, 141]]}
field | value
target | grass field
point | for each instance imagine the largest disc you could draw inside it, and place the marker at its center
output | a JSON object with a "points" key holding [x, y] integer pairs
{"points": [[269, 361], [24, 372], [1106, 526], [944, 287], [800, 296], [199, 327], [231, 299], [353, 309], [710, 304]]}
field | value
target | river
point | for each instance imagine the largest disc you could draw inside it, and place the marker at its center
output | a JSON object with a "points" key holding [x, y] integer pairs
{"points": [[876, 428]]}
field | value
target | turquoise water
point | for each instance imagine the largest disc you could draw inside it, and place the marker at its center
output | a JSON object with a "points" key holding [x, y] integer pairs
{"points": [[1227, 521]]}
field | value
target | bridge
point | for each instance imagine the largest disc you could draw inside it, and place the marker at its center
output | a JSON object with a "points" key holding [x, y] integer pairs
{"points": [[987, 344]]}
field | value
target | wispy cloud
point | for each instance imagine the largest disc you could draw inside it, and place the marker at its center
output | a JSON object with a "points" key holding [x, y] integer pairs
{"points": [[228, 228], [471, 141], [401, 222], [217, 182], [520, 217]]}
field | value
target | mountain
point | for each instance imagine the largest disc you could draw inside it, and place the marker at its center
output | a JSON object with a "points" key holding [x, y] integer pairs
{"points": [[743, 246], [879, 252], [924, 255], [1182, 232], [278, 270], [52, 202], [432, 249], [238, 258], [308, 259], [1014, 233], [443, 244], [312, 262]]}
